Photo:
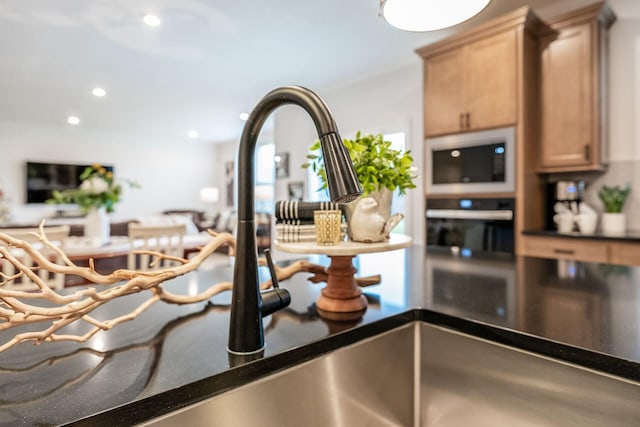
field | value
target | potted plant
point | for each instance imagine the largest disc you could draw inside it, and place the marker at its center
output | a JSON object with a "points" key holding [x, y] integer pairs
{"points": [[613, 199], [381, 170], [96, 196], [377, 165]]}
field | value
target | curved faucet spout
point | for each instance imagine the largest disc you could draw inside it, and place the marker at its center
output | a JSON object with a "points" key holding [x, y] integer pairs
{"points": [[246, 335]]}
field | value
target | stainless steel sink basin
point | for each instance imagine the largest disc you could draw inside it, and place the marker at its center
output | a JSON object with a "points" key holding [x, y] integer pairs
{"points": [[423, 375]]}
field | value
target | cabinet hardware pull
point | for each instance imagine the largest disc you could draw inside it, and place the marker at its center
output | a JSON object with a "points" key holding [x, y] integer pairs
{"points": [[587, 152], [468, 120], [461, 120], [564, 251]]}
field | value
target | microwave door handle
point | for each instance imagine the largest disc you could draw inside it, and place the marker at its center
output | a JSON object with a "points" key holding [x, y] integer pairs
{"points": [[505, 215]]}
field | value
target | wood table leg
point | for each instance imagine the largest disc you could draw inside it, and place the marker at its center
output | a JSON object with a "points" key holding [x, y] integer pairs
{"points": [[342, 298]]}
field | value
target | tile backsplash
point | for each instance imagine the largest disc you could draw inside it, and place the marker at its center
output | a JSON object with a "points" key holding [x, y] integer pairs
{"points": [[619, 173]]}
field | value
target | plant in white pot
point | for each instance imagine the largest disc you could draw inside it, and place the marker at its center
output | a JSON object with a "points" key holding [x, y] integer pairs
{"points": [[96, 196], [381, 170], [613, 199]]}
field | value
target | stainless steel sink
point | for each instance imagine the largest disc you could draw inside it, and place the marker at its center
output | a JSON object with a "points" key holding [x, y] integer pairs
{"points": [[423, 375]]}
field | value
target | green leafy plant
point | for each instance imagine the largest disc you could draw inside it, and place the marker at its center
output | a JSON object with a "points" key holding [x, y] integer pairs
{"points": [[97, 189], [376, 164], [614, 198]]}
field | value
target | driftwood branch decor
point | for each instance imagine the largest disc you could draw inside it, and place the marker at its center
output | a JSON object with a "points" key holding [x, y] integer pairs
{"points": [[17, 307]]}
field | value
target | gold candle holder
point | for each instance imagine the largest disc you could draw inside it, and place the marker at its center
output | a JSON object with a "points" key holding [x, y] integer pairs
{"points": [[327, 224]]}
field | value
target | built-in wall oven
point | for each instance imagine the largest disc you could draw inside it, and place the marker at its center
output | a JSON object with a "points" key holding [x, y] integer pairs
{"points": [[471, 224]]}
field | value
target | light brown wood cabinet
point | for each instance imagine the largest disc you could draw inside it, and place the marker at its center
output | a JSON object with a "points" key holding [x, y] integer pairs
{"points": [[488, 77], [573, 91], [566, 248], [582, 249], [471, 87], [625, 253]]}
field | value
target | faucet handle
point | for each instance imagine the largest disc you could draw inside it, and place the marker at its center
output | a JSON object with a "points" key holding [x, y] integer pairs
{"points": [[272, 269], [276, 298]]}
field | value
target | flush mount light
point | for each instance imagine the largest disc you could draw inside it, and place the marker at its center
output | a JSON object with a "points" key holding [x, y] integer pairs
{"points": [[244, 116], [73, 120], [151, 20], [193, 134], [99, 92], [429, 15]]}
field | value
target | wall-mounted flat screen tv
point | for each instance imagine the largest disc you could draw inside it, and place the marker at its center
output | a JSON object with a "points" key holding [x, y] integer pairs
{"points": [[43, 178]]}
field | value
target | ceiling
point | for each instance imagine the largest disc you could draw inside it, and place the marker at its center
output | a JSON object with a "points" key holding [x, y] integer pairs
{"points": [[207, 62]]}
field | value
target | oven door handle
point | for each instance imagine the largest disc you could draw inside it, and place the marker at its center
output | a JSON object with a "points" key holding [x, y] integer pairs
{"points": [[505, 214]]}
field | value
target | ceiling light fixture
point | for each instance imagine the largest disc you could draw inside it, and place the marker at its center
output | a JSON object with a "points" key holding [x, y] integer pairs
{"points": [[99, 92], [193, 134], [244, 116], [73, 120], [151, 20], [429, 15]]}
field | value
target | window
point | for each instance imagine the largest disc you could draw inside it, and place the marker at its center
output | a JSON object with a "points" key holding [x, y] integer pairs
{"points": [[398, 142], [265, 173]]}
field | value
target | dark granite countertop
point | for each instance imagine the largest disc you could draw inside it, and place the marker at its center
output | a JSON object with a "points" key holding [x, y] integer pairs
{"points": [[629, 236], [175, 355]]}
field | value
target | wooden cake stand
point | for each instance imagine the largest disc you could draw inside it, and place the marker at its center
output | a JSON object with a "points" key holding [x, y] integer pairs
{"points": [[342, 298]]}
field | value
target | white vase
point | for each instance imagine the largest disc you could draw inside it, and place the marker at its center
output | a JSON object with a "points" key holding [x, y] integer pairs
{"points": [[97, 227], [614, 224], [369, 218]]}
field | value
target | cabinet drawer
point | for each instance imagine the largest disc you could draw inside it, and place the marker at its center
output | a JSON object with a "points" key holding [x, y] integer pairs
{"points": [[558, 247], [625, 253]]}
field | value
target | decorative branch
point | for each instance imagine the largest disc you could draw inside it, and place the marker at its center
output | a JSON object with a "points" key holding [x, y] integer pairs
{"points": [[64, 309]]}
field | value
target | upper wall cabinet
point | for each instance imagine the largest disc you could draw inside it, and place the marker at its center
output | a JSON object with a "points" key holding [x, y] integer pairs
{"points": [[573, 91], [471, 87]]}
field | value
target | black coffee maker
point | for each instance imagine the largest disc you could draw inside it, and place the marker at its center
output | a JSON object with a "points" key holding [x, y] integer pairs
{"points": [[568, 193]]}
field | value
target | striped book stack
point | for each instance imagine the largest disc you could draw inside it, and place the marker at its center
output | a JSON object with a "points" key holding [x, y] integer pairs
{"points": [[294, 220]]}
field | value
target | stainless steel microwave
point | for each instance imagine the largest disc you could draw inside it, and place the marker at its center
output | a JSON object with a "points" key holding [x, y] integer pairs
{"points": [[472, 162]]}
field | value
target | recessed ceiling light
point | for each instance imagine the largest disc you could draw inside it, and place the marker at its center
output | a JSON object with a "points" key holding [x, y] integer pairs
{"points": [[99, 92], [73, 120], [193, 134], [244, 116], [151, 20]]}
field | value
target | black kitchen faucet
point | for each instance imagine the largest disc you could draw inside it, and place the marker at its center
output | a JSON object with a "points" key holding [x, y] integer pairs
{"points": [[249, 305]]}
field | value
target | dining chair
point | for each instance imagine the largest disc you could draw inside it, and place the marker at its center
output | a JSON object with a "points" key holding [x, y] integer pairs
{"points": [[167, 239], [56, 235]]}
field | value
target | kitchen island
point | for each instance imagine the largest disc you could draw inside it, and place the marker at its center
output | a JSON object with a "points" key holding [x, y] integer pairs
{"points": [[172, 356]]}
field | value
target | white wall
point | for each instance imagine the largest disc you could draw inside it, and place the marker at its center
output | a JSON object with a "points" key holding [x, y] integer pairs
{"points": [[624, 107], [171, 173], [624, 84]]}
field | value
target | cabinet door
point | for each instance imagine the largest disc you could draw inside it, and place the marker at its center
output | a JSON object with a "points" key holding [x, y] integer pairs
{"points": [[565, 248], [625, 253], [490, 82], [443, 93], [567, 99]]}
